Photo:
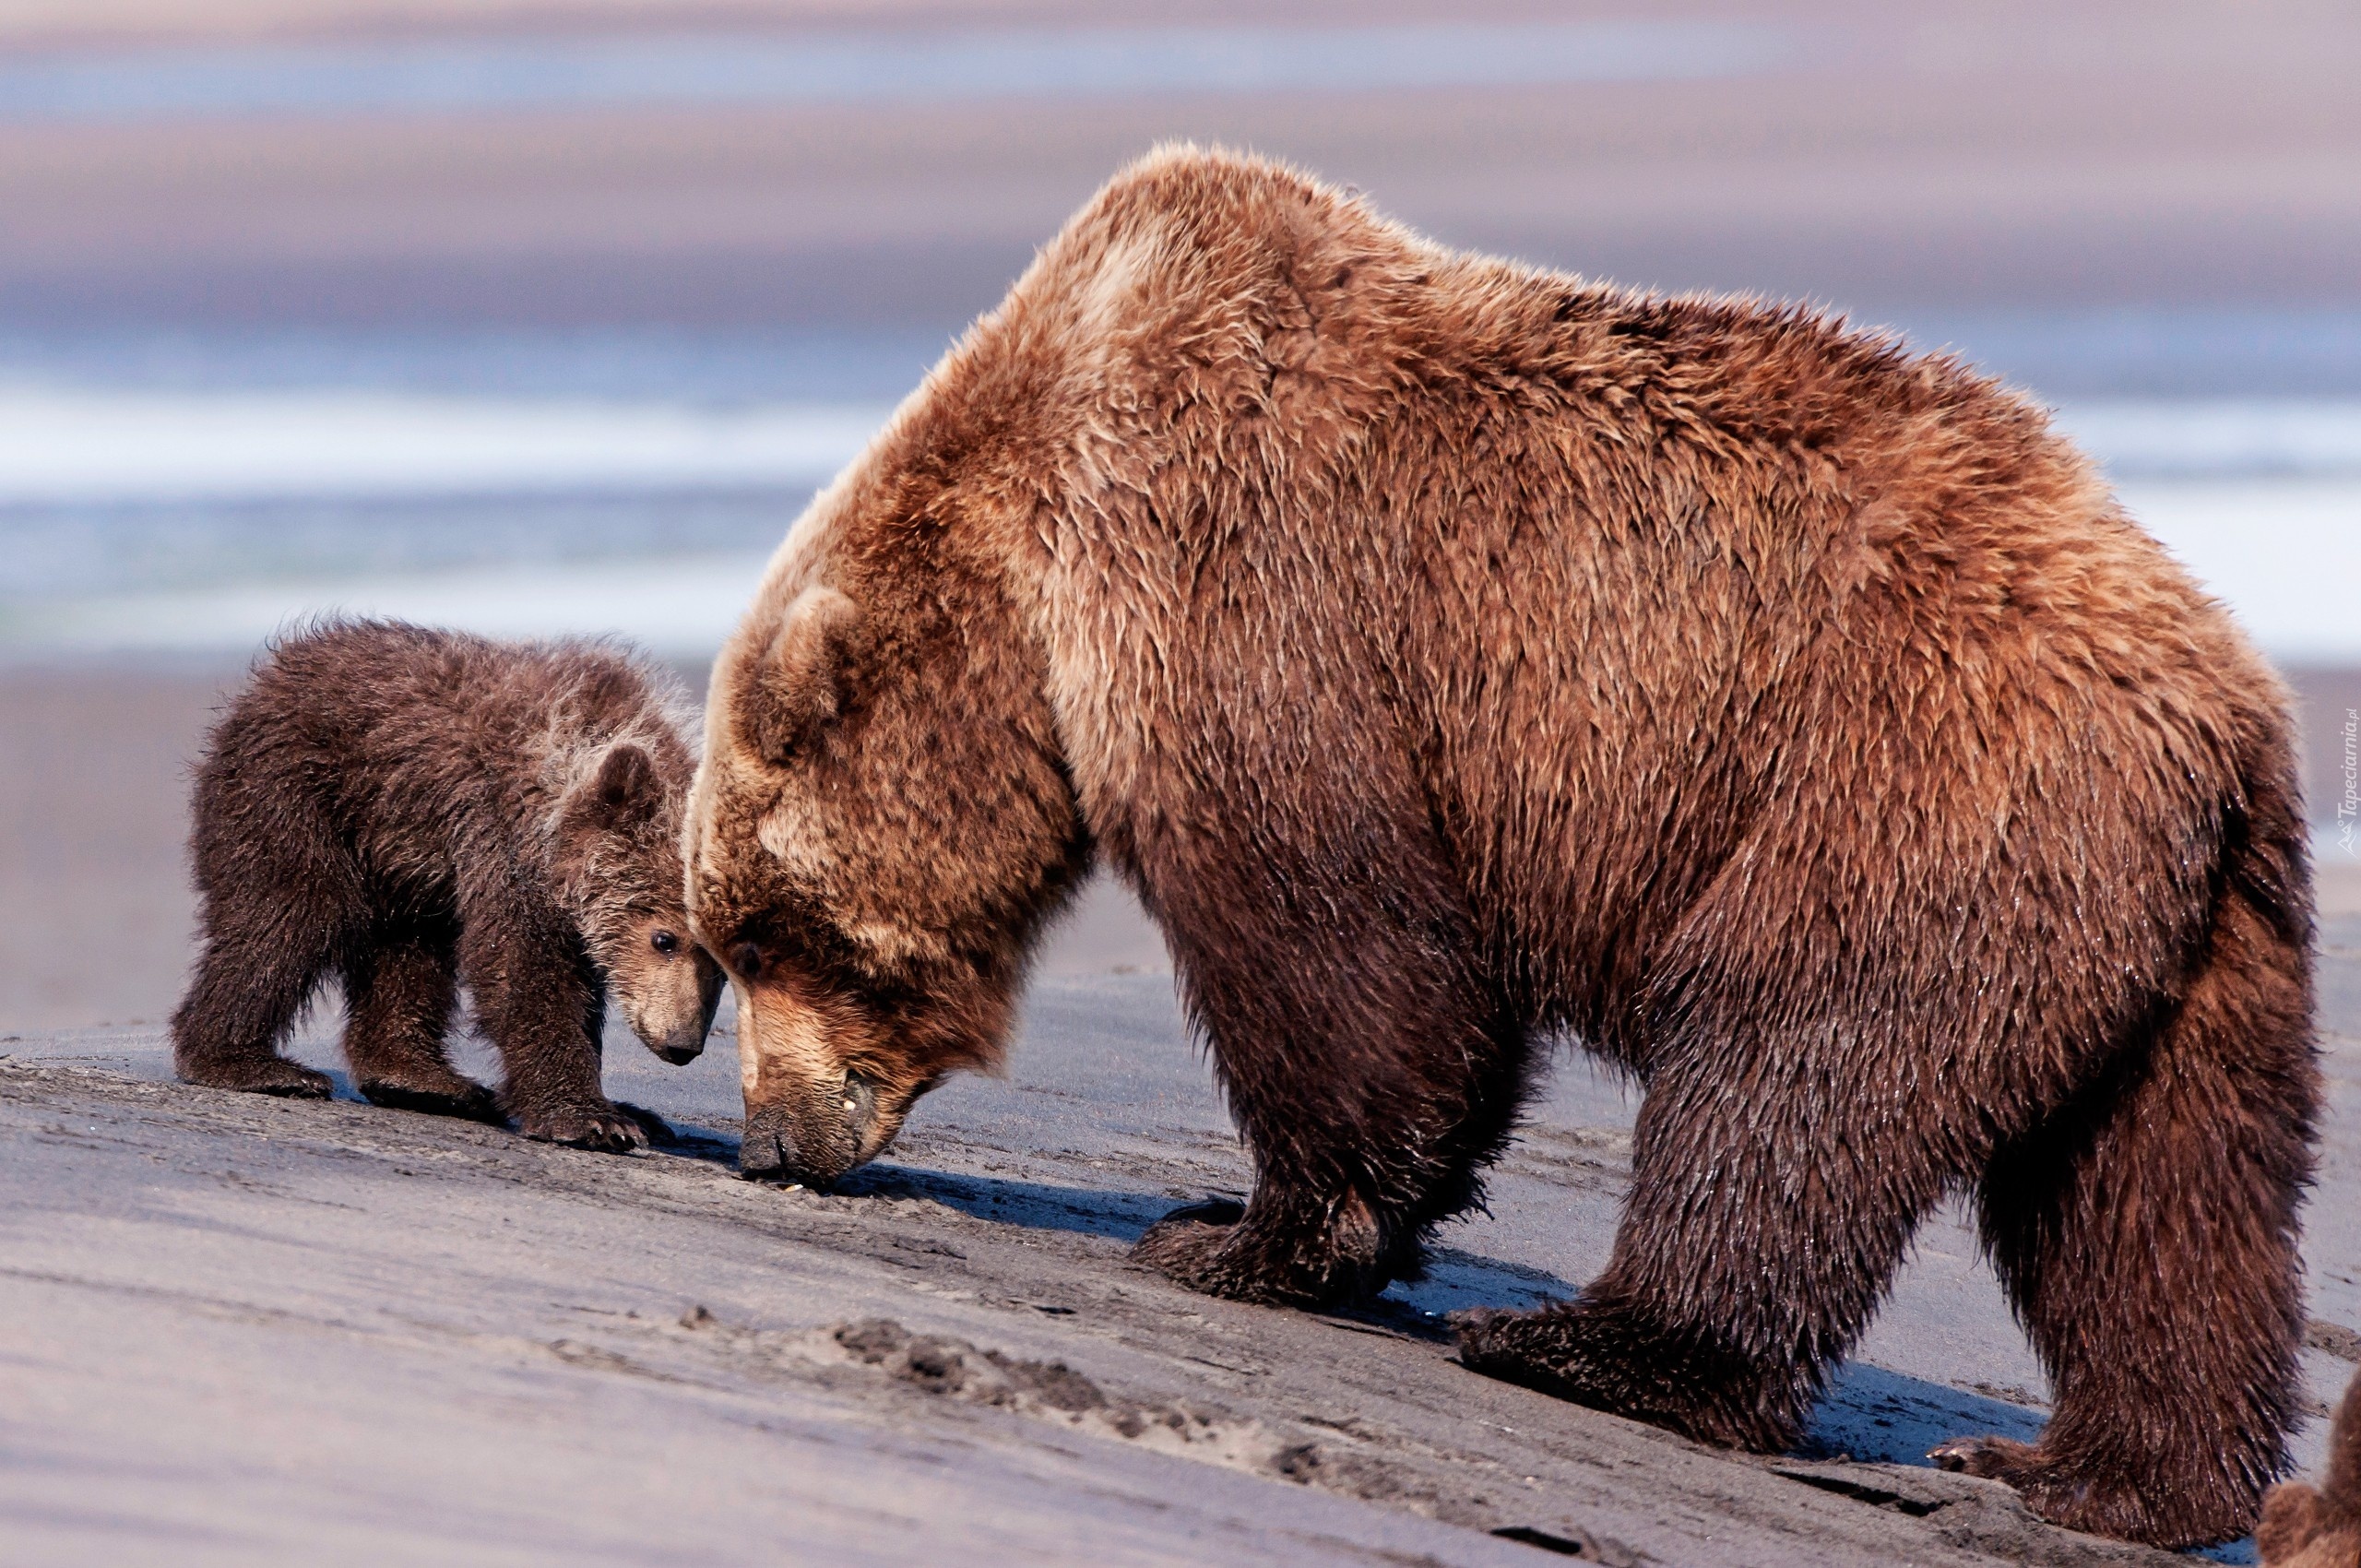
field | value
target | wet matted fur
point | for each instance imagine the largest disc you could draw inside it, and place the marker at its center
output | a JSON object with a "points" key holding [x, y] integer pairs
{"points": [[1454, 655], [407, 809]]}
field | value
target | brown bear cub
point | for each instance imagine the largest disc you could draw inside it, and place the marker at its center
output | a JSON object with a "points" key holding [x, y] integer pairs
{"points": [[1459, 658], [406, 810], [2308, 1526]]}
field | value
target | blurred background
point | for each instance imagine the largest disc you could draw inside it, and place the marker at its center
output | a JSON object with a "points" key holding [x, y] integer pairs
{"points": [[543, 316]]}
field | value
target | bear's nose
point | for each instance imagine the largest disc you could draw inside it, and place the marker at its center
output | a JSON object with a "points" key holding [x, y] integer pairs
{"points": [[769, 1148], [774, 1149]]}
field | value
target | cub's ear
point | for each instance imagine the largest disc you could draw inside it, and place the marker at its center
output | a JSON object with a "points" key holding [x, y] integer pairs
{"points": [[623, 792], [791, 691]]}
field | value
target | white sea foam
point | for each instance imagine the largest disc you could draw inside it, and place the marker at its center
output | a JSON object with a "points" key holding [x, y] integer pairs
{"points": [[2286, 555], [683, 607], [64, 447], [2200, 438]]}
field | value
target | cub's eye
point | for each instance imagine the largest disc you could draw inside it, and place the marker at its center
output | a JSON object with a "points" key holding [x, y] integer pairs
{"points": [[747, 959], [664, 942]]}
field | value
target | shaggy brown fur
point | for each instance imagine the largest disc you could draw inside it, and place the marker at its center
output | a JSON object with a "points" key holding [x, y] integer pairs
{"points": [[2304, 1527], [1454, 655], [406, 809]]}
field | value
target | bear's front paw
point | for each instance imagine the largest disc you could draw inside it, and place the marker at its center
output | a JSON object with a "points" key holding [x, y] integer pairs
{"points": [[605, 1128], [1212, 1247], [1608, 1362]]}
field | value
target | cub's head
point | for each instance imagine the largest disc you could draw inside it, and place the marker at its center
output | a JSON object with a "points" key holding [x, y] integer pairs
{"points": [[618, 857], [881, 822]]}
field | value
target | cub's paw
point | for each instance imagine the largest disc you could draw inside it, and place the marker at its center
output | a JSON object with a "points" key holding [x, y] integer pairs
{"points": [[268, 1074], [605, 1128], [469, 1102], [659, 1132]]}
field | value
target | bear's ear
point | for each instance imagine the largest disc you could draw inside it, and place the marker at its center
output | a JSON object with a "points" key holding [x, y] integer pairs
{"points": [[623, 792], [790, 695]]}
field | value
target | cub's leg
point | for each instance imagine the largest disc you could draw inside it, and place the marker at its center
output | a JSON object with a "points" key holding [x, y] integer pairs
{"points": [[399, 990], [1370, 1072], [1774, 1189], [2147, 1235], [538, 1001], [281, 903]]}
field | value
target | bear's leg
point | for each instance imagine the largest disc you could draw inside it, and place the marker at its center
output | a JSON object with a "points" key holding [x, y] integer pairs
{"points": [[1769, 1210], [2147, 1233], [398, 994], [1369, 1094], [538, 1001]]}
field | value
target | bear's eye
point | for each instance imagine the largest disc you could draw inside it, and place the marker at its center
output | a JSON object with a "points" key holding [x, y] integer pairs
{"points": [[664, 942], [747, 959]]}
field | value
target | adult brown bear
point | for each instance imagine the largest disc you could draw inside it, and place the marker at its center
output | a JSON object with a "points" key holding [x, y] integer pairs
{"points": [[1454, 655]]}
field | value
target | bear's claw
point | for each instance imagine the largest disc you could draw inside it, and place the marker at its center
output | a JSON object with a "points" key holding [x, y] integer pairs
{"points": [[659, 1132], [1994, 1458]]}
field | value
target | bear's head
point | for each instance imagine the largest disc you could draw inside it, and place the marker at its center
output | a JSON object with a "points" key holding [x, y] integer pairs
{"points": [[880, 826], [888, 805], [617, 858]]}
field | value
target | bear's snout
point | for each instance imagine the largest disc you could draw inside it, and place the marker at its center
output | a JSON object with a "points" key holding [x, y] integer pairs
{"points": [[811, 1146]]}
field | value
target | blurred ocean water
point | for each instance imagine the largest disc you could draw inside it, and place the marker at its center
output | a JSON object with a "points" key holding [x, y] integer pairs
{"points": [[196, 492]]}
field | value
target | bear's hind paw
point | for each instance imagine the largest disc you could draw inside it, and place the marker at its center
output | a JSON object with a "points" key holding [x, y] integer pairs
{"points": [[2081, 1497], [1186, 1244], [1994, 1458]]}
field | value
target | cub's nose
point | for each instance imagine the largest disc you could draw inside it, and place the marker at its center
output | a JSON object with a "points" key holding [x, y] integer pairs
{"points": [[677, 1054]]}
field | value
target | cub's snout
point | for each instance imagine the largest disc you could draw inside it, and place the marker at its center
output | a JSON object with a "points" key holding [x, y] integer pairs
{"points": [[668, 988]]}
